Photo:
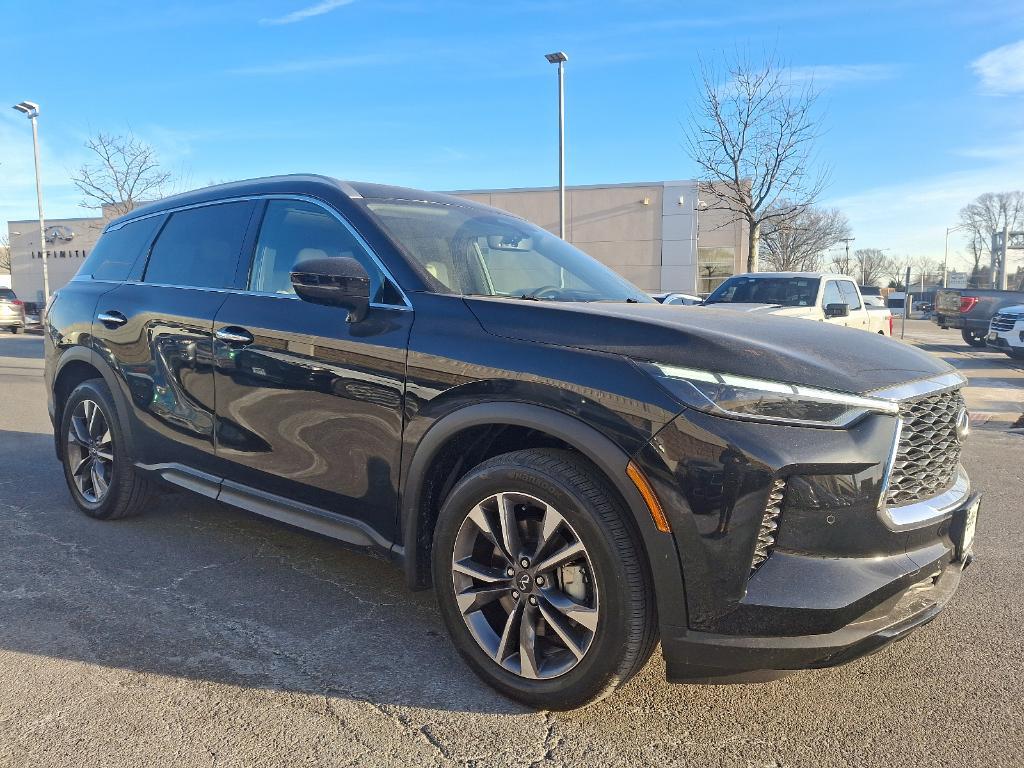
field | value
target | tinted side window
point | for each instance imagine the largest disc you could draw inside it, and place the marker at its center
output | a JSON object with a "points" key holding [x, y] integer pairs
{"points": [[294, 231], [116, 251], [850, 295], [199, 247], [832, 294]]}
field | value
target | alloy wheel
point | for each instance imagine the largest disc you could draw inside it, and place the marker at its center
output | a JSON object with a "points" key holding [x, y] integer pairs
{"points": [[525, 585], [90, 451]]}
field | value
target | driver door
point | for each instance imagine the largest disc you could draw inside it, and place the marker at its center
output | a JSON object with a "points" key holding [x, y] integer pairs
{"points": [[309, 405]]}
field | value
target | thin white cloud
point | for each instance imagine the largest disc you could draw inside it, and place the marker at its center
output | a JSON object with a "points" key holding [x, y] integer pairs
{"points": [[910, 217], [1002, 70], [297, 66], [319, 9], [836, 74]]}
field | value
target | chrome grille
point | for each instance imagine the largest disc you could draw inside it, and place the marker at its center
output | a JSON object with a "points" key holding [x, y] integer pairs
{"points": [[929, 449], [769, 523], [1003, 322]]}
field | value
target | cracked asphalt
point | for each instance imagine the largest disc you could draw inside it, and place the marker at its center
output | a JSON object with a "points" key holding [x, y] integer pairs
{"points": [[200, 635]]}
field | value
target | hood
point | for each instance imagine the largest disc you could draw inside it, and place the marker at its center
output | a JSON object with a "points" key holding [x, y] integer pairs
{"points": [[747, 344], [773, 309]]}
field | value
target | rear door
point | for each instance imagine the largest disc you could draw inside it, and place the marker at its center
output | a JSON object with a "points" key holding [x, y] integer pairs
{"points": [[157, 331], [309, 406]]}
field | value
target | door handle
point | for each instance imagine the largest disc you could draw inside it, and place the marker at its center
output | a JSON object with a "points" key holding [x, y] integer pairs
{"points": [[234, 336], [112, 319]]}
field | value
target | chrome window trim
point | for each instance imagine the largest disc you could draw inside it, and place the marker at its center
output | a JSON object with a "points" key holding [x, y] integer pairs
{"points": [[407, 305], [928, 386], [928, 511], [236, 291]]}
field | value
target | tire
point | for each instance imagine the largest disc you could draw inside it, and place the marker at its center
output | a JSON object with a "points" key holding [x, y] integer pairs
{"points": [[973, 338], [117, 490], [15, 329], [610, 580]]}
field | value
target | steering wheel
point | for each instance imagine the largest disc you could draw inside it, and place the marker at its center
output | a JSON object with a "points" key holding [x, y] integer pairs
{"points": [[544, 292]]}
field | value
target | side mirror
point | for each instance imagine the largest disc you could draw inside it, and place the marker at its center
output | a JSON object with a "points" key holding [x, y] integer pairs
{"points": [[837, 310], [339, 282]]}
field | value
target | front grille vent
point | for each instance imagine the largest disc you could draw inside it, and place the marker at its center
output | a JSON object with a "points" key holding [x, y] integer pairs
{"points": [[769, 524], [929, 449], [1004, 322]]}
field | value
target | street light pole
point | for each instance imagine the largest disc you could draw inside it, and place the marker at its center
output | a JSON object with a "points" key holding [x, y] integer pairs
{"points": [[31, 111], [945, 254], [560, 58]]}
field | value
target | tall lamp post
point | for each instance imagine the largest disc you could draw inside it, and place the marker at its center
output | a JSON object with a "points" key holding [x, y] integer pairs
{"points": [[945, 254], [31, 111], [560, 58]]}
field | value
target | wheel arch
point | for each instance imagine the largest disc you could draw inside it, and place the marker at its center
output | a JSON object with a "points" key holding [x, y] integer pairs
{"points": [[80, 364], [421, 500]]}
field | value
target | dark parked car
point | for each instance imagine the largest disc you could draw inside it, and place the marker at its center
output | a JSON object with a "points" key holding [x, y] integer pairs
{"points": [[578, 471], [972, 309]]}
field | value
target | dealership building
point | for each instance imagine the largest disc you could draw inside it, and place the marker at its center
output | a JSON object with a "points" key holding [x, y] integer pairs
{"points": [[660, 235]]}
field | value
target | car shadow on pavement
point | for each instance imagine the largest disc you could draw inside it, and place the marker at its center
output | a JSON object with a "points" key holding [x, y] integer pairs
{"points": [[20, 346], [196, 589]]}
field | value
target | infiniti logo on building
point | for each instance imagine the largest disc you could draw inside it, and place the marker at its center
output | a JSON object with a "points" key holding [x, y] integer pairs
{"points": [[59, 232]]}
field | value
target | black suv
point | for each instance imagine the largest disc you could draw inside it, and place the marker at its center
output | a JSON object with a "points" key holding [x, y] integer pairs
{"points": [[577, 470]]}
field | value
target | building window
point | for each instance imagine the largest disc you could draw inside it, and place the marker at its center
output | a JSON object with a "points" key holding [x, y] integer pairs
{"points": [[714, 265]]}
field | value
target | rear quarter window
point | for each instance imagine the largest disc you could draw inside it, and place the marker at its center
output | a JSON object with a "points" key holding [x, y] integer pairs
{"points": [[116, 252]]}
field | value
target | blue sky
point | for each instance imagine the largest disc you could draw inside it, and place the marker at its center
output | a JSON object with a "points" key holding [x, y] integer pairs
{"points": [[925, 100]]}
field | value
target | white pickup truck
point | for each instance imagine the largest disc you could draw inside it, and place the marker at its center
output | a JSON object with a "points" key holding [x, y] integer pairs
{"points": [[812, 295]]}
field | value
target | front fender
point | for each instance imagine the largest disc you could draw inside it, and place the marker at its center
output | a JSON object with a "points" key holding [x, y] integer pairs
{"points": [[659, 548]]}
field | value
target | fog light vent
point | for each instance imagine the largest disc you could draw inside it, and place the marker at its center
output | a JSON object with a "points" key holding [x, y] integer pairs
{"points": [[769, 524]]}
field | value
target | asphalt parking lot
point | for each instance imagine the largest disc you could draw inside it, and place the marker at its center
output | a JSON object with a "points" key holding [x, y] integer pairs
{"points": [[199, 635]]}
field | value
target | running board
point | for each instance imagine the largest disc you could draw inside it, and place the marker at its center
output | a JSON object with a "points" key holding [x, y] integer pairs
{"points": [[306, 516]]}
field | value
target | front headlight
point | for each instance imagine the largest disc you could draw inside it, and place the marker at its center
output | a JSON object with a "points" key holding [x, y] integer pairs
{"points": [[740, 397]]}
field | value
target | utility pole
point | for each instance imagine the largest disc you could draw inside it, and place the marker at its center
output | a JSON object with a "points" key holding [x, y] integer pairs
{"points": [[1002, 262], [849, 240]]}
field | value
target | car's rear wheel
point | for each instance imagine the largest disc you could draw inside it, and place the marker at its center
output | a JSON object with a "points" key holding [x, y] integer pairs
{"points": [[97, 469], [973, 338], [14, 329], [541, 580]]}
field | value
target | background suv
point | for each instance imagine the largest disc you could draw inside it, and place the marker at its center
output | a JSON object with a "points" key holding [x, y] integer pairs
{"points": [[577, 470], [12, 311]]}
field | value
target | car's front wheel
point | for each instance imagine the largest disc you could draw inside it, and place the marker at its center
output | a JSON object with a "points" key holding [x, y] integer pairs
{"points": [[97, 468], [541, 580]]}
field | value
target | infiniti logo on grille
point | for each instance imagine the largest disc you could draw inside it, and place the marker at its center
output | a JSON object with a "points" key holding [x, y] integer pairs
{"points": [[963, 424]]}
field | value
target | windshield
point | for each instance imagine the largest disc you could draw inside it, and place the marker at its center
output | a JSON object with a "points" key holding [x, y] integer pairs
{"points": [[480, 253], [784, 291]]}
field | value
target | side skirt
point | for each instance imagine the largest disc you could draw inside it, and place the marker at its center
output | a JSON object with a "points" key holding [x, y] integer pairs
{"points": [[345, 529]]}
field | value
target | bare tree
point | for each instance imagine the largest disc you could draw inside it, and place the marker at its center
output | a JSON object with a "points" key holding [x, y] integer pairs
{"points": [[871, 265], [752, 136], [124, 173], [989, 213], [795, 243], [5, 254], [896, 273], [842, 263]]}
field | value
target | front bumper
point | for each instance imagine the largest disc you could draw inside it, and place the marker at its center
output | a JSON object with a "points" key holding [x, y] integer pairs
{"points": [[866, 603], [1007, 341]]}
